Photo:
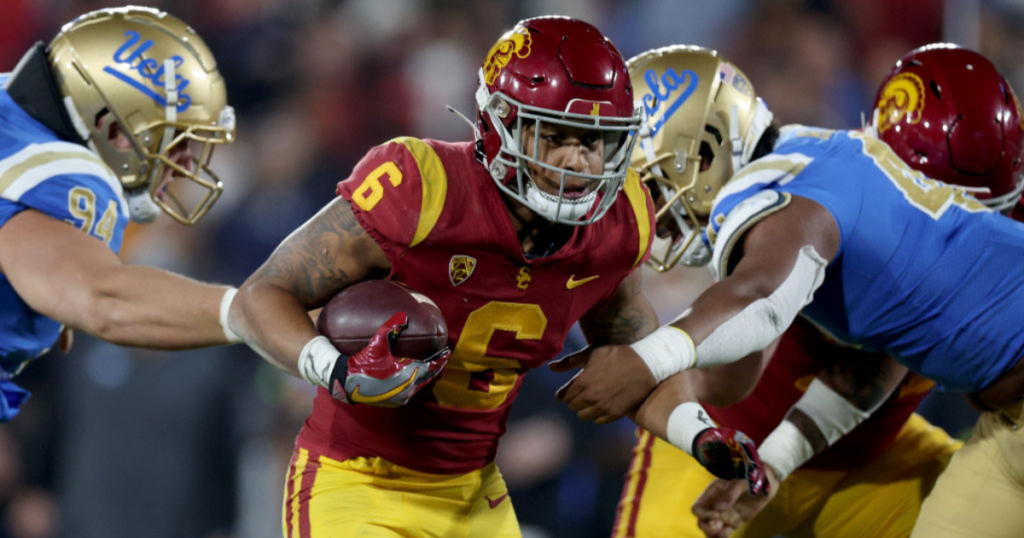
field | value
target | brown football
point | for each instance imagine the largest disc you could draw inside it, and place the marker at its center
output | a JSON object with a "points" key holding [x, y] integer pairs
{"points": [[353, 316]]}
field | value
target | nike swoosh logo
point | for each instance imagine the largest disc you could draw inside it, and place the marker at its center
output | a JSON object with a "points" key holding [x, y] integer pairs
{"points": [[494, 504], [359, 398], [572, 284]]}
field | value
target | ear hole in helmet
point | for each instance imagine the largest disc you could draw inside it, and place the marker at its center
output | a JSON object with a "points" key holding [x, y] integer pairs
{"points": [[935, 89], [706, 156]]}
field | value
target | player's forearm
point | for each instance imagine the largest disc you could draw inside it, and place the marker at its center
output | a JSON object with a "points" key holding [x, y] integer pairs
{"points": [[654, 412], [837, 401], [272, 321], [146, 307], [742, 314], [719, 386]]}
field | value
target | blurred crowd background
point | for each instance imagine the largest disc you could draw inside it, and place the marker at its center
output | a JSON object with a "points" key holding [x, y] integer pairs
{"points": [[127, 443]]}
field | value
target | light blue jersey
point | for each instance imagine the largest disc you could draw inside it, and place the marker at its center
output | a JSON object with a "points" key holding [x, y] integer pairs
{"points": [[924, 272], [66, 181]]}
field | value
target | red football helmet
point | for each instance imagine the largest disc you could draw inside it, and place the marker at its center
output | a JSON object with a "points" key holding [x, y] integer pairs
{"points": [[559, 71], [947, 112]]}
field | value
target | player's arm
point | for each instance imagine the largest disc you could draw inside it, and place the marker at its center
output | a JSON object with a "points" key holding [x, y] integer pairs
{"points": [[781, 263], [720, 386], [623, 319], [328, 253], [841, 397], [75, 279]]}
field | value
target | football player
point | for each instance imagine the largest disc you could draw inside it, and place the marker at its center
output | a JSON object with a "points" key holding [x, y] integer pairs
{"points": [[114, 120], [894, 261], [536, 224], [870, 483]]}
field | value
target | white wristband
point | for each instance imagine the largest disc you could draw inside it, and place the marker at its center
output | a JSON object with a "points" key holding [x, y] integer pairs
{"points": [[316, 362], [786, 449], [225, 306], [685, 423], [666, 352], [834, 415]]}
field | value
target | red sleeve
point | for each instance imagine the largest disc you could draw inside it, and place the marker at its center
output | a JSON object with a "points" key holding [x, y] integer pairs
{"points": [[386, 194]]}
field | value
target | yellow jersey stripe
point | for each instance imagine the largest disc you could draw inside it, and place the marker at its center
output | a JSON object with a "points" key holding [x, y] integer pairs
{"points": [[300, 468], [637, 195], [435, 185], [630, 502]]}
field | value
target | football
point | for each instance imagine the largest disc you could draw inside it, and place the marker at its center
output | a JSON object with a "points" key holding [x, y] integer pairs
{"points": [[353, 316]]}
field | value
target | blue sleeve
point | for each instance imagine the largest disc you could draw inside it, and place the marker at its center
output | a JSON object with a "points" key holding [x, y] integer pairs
{"points": [[83, 200]]}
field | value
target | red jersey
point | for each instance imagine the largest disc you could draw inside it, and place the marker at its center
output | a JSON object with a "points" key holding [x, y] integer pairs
{"points": [[443, 223], [791, 369]]}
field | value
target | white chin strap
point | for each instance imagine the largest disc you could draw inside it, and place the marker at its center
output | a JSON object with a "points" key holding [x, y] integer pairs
{"points": [[141, 207], [548, 204]]}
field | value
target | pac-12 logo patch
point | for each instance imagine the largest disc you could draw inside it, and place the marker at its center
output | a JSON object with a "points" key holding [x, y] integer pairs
{"points": [[515, 42], [460, 268], [902, 97]]}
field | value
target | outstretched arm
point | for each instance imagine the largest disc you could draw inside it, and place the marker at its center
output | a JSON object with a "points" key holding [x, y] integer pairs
{"points": [[75, 279], [842, 396], [780, 265], [328, 253]]}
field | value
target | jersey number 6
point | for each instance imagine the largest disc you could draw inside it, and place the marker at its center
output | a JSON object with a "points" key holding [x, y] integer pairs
{"points": [[472, 379], [370, 192]]}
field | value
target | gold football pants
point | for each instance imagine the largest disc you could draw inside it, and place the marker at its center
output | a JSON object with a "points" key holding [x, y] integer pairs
{"points": [[373, 498], [881, 499]]}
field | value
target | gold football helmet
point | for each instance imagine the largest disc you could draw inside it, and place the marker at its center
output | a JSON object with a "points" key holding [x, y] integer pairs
{"points": [[701, 123], [151, 76]]}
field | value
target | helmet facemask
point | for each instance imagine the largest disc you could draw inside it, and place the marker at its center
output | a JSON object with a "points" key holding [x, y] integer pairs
{"points": [[617, 133], [701, 124]]}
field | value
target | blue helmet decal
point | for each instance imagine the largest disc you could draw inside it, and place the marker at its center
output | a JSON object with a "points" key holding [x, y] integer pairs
{"points": [[150, 72], [663, 90]]}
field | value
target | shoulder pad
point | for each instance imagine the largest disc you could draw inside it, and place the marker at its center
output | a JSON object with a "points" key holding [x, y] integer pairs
{"points": [[398, 189], [742, 217]]}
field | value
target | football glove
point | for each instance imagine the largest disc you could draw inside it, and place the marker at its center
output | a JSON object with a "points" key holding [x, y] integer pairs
{"points": [[375, 376], [731, 455]]}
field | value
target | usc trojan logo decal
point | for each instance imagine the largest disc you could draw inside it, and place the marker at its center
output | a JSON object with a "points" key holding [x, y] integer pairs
{"points": [[514, 42], [902, 97], [460, 268]]}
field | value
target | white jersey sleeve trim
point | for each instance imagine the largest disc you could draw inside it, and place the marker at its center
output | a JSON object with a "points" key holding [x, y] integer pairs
{"points": [[740, 219], [54, 159]]}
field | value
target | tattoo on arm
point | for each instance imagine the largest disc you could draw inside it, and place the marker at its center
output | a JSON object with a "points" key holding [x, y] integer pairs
{"points": [[624, 319], [311, 263]]}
